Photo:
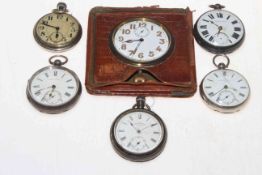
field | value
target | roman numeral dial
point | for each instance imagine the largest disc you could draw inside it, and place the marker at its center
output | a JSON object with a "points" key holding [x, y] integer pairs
{"points": [[219, 31], [53, 86], [225, 88], [138, 132]]}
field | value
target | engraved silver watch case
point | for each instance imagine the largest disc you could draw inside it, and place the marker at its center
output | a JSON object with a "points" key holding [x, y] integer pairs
{"points": [[138, 134], [54, 89], [224, 90]]}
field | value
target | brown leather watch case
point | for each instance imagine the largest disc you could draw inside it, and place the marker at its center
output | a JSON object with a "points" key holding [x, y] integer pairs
{"points": [[106, 74]]}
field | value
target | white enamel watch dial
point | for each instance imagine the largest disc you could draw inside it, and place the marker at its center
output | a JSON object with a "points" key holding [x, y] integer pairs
{"points": [[219, 31], [141, 41], [53, 89], [138, 134], [57, 30], [225, 90]]}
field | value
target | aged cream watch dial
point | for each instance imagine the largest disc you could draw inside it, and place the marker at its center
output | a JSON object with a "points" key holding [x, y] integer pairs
{"points": [[58, 30]]}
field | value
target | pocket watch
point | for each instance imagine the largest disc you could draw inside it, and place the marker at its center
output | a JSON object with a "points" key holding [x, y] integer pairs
{"points": [[138, 134], [58, 30], [54, 89], [219, 31], [141, 41], [224, 90]]}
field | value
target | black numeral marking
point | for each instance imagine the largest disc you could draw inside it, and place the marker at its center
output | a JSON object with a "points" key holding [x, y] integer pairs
{"points": [[234, 22], [228, 17], [67, 94], [203, 27], [159, 49], [219, 15], [237, 29], [123, 138], [211, 16], [153, 140], [235, 35], [37, 93], [211, 39], [154, 124], [241, 94], [240, 80], [126, 31], [132, 26], [50, 18], [152, 27], [208, 87], [205, 32], [142, 24], [211, 94], [159, 33]]}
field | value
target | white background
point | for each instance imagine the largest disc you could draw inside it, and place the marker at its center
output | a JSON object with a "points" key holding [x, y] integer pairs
{"points": [[200, 141]]}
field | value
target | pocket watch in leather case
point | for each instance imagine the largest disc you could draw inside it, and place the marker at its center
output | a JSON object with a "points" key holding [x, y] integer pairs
{"points": [[140, 51]]}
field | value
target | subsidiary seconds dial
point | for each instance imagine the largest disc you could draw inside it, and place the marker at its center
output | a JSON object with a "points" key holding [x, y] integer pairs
{"points": [[54, 89], [141, 41], [224, 90], [219, 31], [58, 30], [138, 134]]}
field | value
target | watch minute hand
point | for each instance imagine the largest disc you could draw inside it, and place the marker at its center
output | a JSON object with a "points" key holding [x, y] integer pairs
{"points": [[44, 23], [135, 40]]}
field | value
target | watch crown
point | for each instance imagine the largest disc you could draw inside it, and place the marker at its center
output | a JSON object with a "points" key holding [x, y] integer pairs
{"points": [[217, 6], [61, 7], [140, 102]]}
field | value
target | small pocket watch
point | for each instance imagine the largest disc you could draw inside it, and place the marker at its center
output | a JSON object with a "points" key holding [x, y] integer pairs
{"points": [[138, 134], [54, 89], [219, 31], [58, 30], [224, 90], [141, 42]]}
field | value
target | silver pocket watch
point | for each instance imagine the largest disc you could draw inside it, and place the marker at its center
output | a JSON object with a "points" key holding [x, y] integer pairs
{"points": [[54, 89], [219, 31], [138, 134], [224, 90]]}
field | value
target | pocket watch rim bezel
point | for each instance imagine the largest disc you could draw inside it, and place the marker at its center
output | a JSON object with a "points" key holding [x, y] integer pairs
{"points": [[52, 47], [56, 108], [217, 49], [123, 59], [221, 108], [136, 157]]}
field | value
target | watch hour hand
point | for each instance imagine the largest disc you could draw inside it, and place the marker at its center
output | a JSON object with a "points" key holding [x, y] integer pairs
{"points": [[212, 22]]}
